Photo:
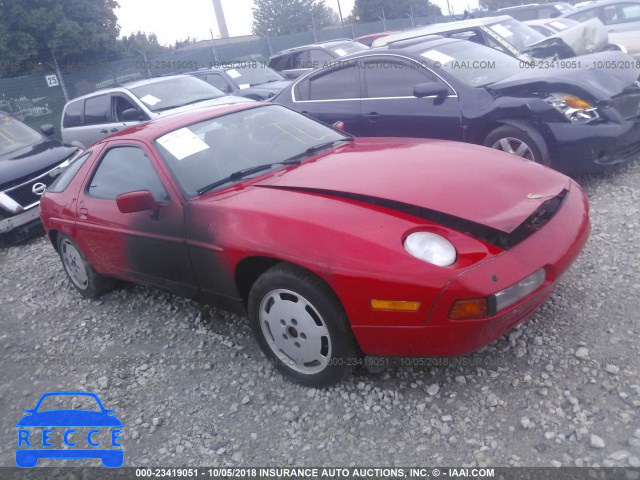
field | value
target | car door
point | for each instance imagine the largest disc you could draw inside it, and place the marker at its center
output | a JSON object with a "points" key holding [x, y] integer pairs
{"points": [[140, 246], [390, 108], [621, 16], [333, 94], [120, 102]]}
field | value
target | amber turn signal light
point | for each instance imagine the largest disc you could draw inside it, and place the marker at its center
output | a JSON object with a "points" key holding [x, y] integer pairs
{"points": [[399, 306], [468, 309]]}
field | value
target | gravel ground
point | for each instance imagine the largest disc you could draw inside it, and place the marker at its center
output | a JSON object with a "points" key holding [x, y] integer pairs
{"points": [[192, 388]]}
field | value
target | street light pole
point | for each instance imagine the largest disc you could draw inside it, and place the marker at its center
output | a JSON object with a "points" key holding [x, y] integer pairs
{"points": [[340, 13]]}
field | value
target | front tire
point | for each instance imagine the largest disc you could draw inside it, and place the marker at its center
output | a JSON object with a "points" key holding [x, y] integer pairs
{"points": [[524, 142], [301, 326], [82, 275]]}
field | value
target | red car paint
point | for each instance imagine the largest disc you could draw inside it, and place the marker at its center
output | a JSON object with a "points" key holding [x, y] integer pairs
{"points": [[343, 214]]}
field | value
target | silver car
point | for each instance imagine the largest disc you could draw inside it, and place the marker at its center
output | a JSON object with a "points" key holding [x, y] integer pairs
{"points": [[617, 15], [89, 118]]}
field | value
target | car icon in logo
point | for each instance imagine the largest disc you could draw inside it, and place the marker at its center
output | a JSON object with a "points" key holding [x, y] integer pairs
{"points": [[82, 433]]}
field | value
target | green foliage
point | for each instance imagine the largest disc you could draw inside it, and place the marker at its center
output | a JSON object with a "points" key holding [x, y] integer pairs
{"points": [[371, 10], [74, 29], [275, 17], [142, 42]]}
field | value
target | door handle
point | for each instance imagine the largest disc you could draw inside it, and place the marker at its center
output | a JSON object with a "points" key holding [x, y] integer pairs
{"points": [[372, 117], [82, 213], [113, 130], [104, 130], [304, 112]]}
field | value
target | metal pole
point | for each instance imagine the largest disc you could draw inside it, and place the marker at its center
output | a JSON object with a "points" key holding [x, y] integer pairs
{"points": [[313, 29], [60, 79], [213, 48], [341, 20]]}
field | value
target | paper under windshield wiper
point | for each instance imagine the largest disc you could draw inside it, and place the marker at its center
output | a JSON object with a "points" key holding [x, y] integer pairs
{"points": [[240, 174]]}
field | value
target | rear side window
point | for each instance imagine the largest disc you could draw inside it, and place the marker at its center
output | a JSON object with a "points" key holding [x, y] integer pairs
{"points": [[279, 63], [124, 170], [73, 114], [68, 174], [583, 16], [335, 84], [96, 110]]}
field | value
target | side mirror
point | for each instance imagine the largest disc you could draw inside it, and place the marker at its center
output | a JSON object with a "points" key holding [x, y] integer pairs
{"points": [[339, 125], [131, 114], [47, 129], [139, 201], [430, 89]]}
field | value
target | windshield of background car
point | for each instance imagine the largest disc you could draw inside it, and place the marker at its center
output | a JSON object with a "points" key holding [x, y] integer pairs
{"points": [[69, 402], [519, 35], [473, 64], [248, 75], [15, 135], [347, 48], [175, 92], [205, 152]]}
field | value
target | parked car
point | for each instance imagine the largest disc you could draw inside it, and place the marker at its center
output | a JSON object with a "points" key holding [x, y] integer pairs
{"points": [[575, 119], [88, 118], [336, 246], [502, 33], [617, 15], [534, 11], [29, 162], [252, 80], [627, 42], [294, 62], [367, 40]]}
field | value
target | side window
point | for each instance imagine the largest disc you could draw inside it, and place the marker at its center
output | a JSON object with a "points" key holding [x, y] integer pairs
{"points": [[469, 35], [64, 179], [120, 104], [620, 13], [218, 82], [299, 60], [335, 84], [584, 16], [73, 114], [319, 57], [279, 63], [96, 110], [385, 78], [124, 170]]}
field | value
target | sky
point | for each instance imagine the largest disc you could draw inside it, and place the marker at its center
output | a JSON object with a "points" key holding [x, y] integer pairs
{"points": [[173, 20]]}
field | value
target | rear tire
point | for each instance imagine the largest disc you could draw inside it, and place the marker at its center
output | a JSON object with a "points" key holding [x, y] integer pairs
{"points": [[82, 275], [301, 326], [524, 142]]}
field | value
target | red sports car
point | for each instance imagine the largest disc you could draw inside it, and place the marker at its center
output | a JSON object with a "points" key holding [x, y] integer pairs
{"points": [[336, 247]]}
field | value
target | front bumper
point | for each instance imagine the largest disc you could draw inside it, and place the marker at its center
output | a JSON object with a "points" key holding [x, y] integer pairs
{"points": [[592, 148], [20, 227], [554, 247]]}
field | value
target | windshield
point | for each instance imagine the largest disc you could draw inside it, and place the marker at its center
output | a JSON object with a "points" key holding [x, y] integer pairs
{"points": [[519, 35], [175, 92], [463, 63], [347, 48], [208, 151], [69, 402], [248, 75], [15, 135]]}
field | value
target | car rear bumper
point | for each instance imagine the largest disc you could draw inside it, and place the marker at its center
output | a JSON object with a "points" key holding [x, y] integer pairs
{"points": [[591, 148], [554, 247]]}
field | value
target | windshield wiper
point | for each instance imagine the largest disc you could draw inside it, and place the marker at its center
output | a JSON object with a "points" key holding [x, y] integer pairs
{"points": [[319, 147], [240, 174]]}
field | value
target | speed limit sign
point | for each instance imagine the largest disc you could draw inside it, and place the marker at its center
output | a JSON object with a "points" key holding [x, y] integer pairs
{"points": [[52, 80]]}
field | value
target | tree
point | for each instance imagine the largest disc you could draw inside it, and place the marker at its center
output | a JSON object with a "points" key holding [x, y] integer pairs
{"points": [[32, 30], [142, 42], [275, 17], [371, 10]]}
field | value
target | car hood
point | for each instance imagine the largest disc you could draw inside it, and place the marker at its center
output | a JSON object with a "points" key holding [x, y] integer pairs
{"points": [[34, 158], [600, 83], [584, 38], [227, 99], [476, 184], [69, 418]]}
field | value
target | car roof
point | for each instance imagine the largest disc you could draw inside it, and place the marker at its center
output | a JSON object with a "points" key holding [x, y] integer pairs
{"points": [[547, 21], [441, 27], [153, 129], [127, 86], [413, 46], [327, 44], [600, 3]]}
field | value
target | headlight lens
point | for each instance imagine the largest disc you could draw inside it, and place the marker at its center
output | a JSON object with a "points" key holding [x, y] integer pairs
{"points": [[575, 109], [431, 248], [512, 294]]}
